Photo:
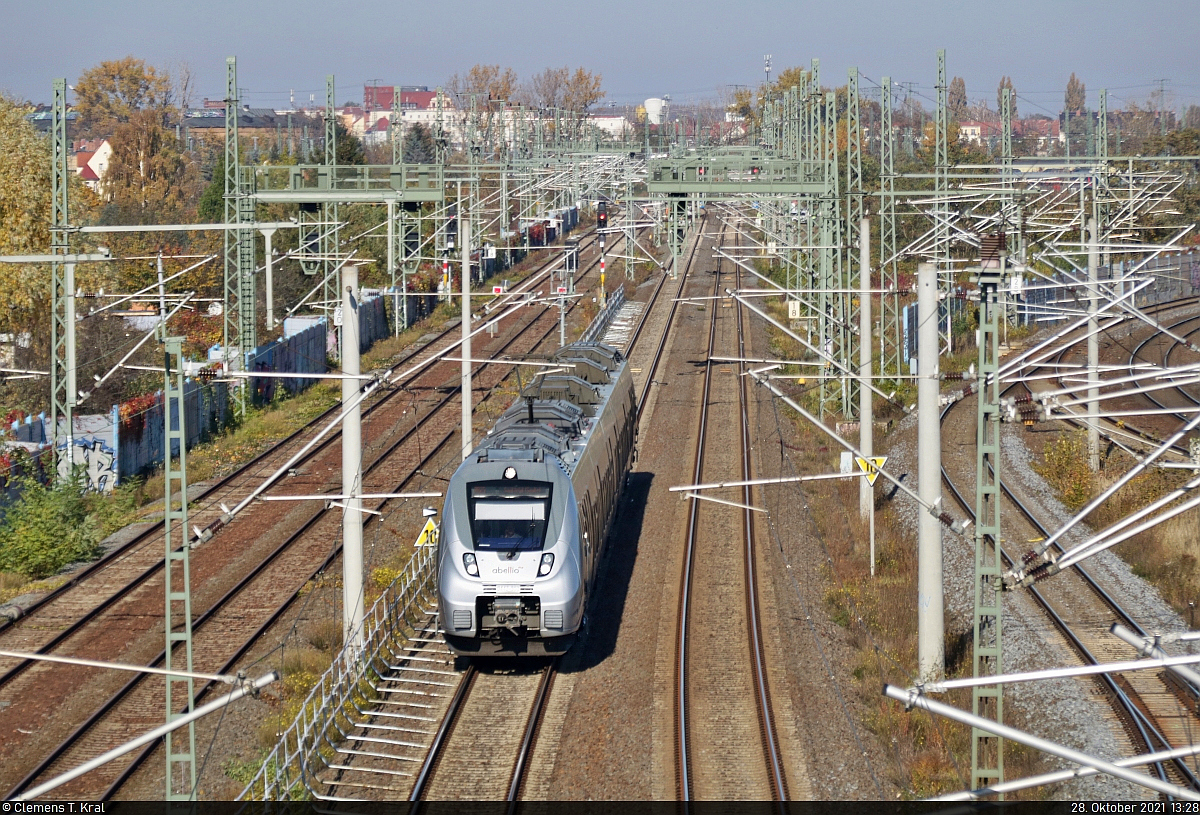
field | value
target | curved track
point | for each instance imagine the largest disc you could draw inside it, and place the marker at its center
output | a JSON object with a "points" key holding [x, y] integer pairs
{"points": [[1083, 611]]}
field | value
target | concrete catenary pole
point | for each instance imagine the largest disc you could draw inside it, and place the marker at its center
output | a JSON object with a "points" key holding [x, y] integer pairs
{"points": [[268, 234], [930, 624], [866, 434], [464, 236], [352, 519], [1093, 347]]}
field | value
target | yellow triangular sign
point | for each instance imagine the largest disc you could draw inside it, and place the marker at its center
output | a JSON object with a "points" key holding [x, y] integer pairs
{"points": [[429, 535], [871, 466]]}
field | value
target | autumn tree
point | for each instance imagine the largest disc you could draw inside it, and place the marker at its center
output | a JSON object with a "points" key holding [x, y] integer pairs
{"points": [[24, 218], [1006, 82], [742, 103], [149, 179], [747, 102], [1076, 97], [788, 77], [25, 213], [582, 90], [545, 90], [110, 93], [485, 82], [956, 99]]}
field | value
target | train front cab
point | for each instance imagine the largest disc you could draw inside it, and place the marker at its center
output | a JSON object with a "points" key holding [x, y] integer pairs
{"points": [[511, 585]]}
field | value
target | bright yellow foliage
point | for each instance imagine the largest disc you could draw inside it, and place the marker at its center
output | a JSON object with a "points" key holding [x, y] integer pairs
{"points": [[24, 216]]}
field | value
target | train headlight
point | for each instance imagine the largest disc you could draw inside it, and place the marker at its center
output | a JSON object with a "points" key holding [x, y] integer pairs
{"points": [[470, 565], [546, 565]]}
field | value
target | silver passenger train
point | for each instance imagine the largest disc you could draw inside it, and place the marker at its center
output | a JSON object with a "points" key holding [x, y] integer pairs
{"points": [[527, 513]]}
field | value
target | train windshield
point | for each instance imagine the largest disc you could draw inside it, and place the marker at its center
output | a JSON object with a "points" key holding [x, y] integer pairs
{"points": [[509, 515]]}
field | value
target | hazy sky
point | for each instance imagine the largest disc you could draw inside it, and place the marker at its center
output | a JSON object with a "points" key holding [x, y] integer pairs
{"points": [[642, 47]]}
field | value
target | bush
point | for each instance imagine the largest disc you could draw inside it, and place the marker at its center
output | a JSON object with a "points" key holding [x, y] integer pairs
{"points": [[1066, 469], [48, 528]]}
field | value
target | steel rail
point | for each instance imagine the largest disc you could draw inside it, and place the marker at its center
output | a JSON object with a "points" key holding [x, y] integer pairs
{"points": [[531, 731], [245, 581], [441, 737], [248, 642], [152, 532], [637, 329], [1128, 709], [1136, 354], [198, 623], [662, 340], [451, 393], [1080, 420], [681, 663], [754, 622]]}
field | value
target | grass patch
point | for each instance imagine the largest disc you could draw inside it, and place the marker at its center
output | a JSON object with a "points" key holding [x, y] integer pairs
{"points": [[878, 618], [259, 430]]}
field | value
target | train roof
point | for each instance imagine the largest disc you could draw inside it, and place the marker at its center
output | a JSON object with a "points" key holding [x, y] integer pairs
{"points": [[557, 411]]}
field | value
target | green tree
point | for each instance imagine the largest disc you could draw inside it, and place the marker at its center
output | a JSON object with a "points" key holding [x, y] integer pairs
{"points": [[349, 148], [211, 208], [47, 528], [418, 147]]}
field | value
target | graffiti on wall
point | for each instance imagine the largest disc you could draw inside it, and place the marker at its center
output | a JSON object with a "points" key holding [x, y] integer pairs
{"points": [[97, 461]]}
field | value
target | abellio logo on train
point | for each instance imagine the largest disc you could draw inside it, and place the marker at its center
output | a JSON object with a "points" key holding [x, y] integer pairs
{"points": [[506, 570]]}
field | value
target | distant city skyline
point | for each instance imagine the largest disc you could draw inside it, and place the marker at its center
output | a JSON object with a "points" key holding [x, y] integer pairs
{"points": [[696, 51]]}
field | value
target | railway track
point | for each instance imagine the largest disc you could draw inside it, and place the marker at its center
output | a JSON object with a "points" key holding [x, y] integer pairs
{"points": [[472, 752], [205, 503], [726, 743], [1125, 433], [482, 737], [436, 729], [1082, 611], [262, 594], [1140, 353]]}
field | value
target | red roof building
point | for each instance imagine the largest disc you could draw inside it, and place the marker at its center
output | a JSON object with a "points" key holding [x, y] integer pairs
{"points": [[381, 97]]}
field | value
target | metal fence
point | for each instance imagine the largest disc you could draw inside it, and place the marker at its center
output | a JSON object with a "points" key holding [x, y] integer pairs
{"points": [[137, 425], [951, 312], [1175, 275], [372, 322], [303, 352], [599, 325], [289, 770]]}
